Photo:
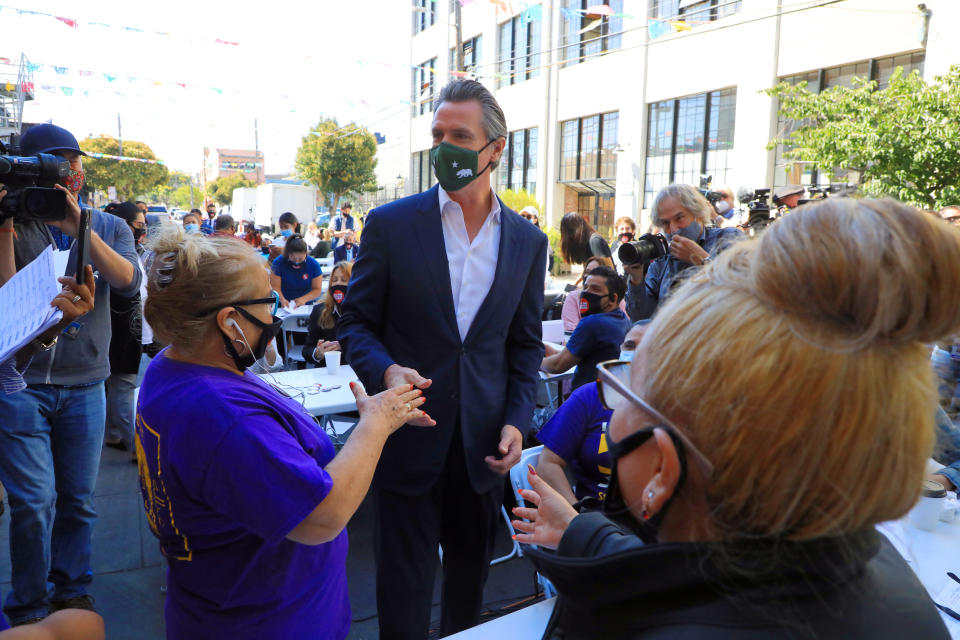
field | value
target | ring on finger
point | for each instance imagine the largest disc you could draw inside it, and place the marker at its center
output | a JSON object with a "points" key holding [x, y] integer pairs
{"points": [[75, 299]]}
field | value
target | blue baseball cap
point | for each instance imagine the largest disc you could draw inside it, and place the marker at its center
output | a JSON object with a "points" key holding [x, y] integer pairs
{"points": [[48, 138]]}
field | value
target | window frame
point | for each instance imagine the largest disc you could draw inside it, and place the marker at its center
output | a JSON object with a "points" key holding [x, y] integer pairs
{"points": [[528, 155], [475, 43], [601, 145], [674, 118], [525, 63], [424, 72], [609, 39], [424, 15]]}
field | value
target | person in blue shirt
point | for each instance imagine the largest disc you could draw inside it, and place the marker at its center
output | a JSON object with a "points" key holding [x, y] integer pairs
{"points": [[342, 223], [348, 250], [598, 336], [685, 217], [295, 276], [207, 227]]}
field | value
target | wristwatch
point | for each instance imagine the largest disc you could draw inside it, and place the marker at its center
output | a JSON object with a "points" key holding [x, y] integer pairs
{"points": [[44, 346]]}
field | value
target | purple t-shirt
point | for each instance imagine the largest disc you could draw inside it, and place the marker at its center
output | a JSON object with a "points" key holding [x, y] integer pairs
{"points": [[228, 467], [576, 433]]}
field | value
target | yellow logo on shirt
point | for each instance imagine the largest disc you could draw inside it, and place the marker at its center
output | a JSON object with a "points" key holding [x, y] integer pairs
{"points": [[156, 503], [603, 449]]}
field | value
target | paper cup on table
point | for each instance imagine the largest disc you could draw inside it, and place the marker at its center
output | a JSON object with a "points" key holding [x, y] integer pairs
{"points": [[332, 359], [926, 512]]}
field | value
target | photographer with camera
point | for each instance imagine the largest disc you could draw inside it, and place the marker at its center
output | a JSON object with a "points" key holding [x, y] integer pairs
{"points": [[51, 433], [684, 215]]}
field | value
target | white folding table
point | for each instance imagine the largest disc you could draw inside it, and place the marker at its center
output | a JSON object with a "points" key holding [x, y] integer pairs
{"points": [[321, 394]]}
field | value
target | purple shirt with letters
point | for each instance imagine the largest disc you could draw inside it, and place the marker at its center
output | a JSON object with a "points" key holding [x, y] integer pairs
{"points": [[576, 433], [228, 467]]}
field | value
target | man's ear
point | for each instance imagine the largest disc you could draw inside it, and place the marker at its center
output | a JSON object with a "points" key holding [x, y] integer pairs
{"points": [[667, 472], [498, 148]]}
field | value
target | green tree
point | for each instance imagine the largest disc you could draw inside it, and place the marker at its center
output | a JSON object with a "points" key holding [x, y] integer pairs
{"points": [[176, 192], [221, 189], [518, 199], [131, 178], [338, 160], [902, 140]]}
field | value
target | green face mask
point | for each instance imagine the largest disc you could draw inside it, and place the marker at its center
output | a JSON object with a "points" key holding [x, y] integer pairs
{"points": [[456, 167]]}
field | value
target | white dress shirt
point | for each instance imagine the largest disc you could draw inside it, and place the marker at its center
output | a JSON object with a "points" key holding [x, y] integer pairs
{"points": [[473, 265]]}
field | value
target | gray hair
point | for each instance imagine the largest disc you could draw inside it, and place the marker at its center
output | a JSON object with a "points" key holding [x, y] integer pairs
{"points": [[689, 198], [494, 122]]}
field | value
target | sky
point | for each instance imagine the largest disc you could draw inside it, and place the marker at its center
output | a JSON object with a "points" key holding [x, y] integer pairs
{"points": [[347, 59]]}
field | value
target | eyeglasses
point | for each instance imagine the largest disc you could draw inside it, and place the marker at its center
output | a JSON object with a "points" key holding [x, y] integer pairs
{"points": [[613, 380], [274, 300]]}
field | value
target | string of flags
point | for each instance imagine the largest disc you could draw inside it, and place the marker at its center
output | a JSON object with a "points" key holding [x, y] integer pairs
{"points": [[106, 156], [75, 23]]}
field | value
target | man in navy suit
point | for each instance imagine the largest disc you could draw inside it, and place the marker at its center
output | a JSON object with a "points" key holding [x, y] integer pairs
{"points": [[446, 295], [346, 252]]}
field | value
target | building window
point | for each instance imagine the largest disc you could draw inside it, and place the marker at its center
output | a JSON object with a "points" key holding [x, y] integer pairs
{"points": [[587, 148], [598, 209], [518, 165], [585, 35], [424, 87], [518, 57], [424, 14], [880, 70], [689, 137], [694, 12], [471, 56], [422, 173]]}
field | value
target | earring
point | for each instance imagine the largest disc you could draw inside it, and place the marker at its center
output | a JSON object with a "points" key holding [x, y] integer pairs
{"points": [[650, 494]]}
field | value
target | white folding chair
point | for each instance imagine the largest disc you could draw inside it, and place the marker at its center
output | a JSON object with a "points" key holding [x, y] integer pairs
{"points": [[291, 325], [518, 481]]}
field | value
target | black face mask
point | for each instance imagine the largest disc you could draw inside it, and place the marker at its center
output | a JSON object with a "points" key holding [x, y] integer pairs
{"points": [[137, 234], [626, 237], [614, 507], [268, 331], [338, 292], [591, 303]]}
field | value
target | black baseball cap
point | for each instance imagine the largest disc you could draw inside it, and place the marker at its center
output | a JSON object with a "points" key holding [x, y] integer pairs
{"points": [[48, 138]]}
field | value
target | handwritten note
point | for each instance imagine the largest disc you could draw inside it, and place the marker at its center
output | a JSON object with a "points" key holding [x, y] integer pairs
{"points": [[25, 301]]}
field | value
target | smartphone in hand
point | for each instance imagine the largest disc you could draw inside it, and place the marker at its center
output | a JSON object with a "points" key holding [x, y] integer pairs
{"points": [[83, 247]]}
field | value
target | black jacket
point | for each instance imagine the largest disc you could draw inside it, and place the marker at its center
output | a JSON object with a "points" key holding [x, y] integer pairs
{"points": [[316, 333], [613, 587]]}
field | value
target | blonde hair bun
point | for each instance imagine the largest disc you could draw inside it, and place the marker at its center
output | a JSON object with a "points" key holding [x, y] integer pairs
{"points": [[855, 272]]}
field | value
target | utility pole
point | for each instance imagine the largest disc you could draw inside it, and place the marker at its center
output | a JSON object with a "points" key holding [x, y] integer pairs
{"points": [[119, 136], [256, 151], [190, 185], [458, 57]]}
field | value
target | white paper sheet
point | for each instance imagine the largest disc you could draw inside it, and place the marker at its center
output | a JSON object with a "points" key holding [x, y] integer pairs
{"points": [[61, 261], [25, 301]]}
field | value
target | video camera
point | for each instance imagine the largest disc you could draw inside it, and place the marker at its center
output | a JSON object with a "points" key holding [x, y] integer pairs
{"points": [[834, 189], [759, 210], [29, 181], [713, 197], [644, 249]]}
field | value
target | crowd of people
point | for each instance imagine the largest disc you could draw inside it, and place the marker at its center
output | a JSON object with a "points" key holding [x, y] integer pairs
{"points": [[743, 411]]}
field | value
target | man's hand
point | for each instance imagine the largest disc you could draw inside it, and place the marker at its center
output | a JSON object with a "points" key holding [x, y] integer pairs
{"points": [[635, 272], [396, 376], [687, 250], [86, 292], [549, 350], [70, 225], [510, 447], [942, 480], [549, 520]]}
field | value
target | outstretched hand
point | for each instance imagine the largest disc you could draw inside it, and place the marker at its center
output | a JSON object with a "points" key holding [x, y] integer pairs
{"points": [[392, 408], [545, 524]]}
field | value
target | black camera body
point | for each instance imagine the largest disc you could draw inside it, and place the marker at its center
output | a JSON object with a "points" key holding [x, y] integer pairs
{"points": [[759, 210], [29, 182], [713, 197], [644, 249]]}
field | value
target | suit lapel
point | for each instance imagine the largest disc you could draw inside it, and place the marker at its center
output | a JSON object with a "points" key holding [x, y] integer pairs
{"points": [[428, 230], [506, 272]]}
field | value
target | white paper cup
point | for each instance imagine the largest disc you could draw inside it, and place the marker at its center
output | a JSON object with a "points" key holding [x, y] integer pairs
{"points": [[926, 513], [332, 359]]}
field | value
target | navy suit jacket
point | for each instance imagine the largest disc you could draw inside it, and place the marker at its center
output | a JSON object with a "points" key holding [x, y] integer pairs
{"points": [[340, 253], [399, 310]]}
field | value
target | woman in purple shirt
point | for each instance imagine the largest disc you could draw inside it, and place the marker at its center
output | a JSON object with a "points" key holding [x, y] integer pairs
{"points": [[244, 490]]}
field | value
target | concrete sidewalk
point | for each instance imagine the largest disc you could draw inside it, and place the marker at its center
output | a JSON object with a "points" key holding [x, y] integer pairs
{"points": [[127, 562]]}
